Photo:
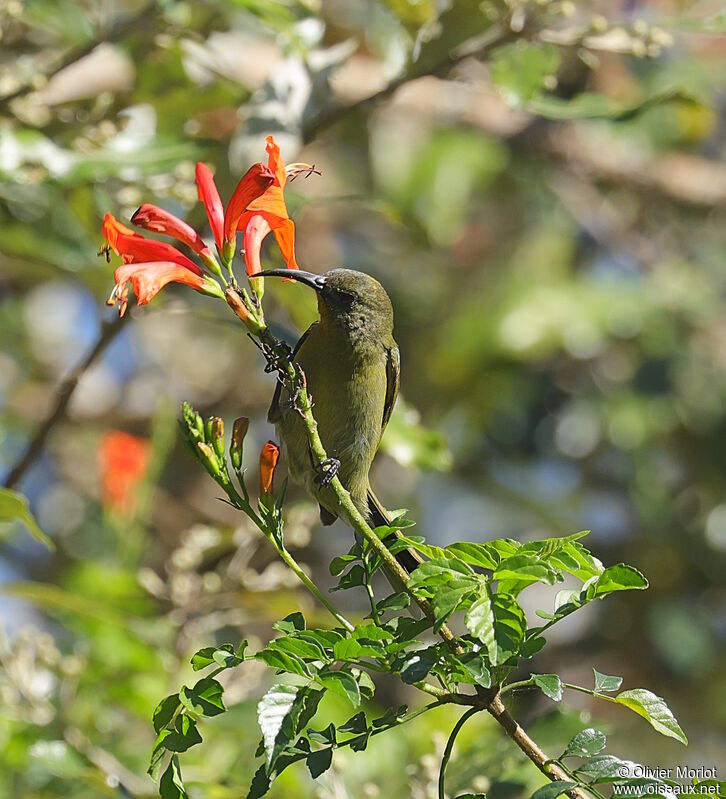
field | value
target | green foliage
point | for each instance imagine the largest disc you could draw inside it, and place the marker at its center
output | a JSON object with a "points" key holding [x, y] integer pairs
{"points": [[14, 507]]}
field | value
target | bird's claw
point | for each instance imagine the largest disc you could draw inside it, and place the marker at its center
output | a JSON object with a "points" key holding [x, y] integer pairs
{"points": [[326, 470]]}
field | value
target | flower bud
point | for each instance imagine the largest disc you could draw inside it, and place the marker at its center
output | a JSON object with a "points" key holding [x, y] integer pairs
{"points": [[217, 437], [239, 431], [208, 458], [268, 461], [192, 422]]}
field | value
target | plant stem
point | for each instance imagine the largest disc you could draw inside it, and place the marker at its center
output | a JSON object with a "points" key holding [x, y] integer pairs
{"points": [[514, 686], [450, 746]]}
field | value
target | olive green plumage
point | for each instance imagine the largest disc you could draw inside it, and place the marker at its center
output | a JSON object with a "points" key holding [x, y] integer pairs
{"points": [[352, 366]]}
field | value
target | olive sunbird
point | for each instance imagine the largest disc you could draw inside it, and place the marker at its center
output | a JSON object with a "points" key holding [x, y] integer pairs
{"points": [[352, 368]]}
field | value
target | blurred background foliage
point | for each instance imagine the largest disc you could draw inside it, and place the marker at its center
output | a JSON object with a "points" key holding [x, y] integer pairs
{"points": [[547, 215]]}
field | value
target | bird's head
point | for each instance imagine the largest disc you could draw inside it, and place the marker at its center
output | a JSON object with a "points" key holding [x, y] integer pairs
{"points": [[353, 300]]}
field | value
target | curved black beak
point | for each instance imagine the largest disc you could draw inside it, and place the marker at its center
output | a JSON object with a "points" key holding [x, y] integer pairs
{"points": [[316, 282]]}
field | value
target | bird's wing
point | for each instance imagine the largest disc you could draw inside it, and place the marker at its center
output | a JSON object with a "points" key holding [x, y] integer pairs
{"points": [[393, 380], [273, 415]]}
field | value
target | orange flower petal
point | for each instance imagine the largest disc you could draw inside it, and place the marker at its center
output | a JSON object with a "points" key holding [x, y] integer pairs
{"points": [[135, 248], [275, 162], [272, 202], [123, 460], [208, 194], [254, 183], [151, 217], [255, 231], [268, 461], [285, 237], [147, 280]]}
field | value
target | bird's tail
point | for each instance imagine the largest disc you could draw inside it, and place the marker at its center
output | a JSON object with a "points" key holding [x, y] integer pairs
{"points": [[378, 515]]}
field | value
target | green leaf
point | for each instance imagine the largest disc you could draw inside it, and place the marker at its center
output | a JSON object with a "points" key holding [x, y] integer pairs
{"points": [[475, 667], [525, 569], [184, 735], [260, 784], [350, 649], [654, 709], [417, 665], [447, 598], [14, 507], [399, 601], [299, 647], [520, 70], [550, 685], [205, 698], [390, 717], [604, 768], [341, 682], [474, 554], [294, 622], [319, 762], [281, 713], [355, 724], [355, 577], [480, 623], [509, 627], [284, 661], [164, 711], [619, 578], [553, 789], [326, 737], [221, 656], [605, 682], [586, 743], [171, 785], [340, 563], [439, 571]]}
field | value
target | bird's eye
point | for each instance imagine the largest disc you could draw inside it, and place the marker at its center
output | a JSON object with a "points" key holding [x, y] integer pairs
{"points": [[346, 296]]}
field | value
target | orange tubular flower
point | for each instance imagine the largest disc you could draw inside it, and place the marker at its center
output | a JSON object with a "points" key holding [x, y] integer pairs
{"points": [[150, 277], [209, 196], [123, 460], [151, 217], [135, 248], [255, 182], [271, 208], [268, 461]]}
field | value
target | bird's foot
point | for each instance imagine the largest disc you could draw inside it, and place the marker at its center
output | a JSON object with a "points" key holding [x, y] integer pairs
{"points": [[326, 470], [273, 355]]}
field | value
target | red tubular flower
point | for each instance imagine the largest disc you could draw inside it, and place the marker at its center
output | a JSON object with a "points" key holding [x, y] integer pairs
{"points": [[208, 194], [151, 217], [255, 182], [135, 248], [268, 461], [123, 460], [150, 277], [271, 207]]}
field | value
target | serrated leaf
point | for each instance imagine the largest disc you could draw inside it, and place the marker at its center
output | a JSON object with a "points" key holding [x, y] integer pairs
{"points": [[606, 682], [299, 647], [586, 743], [319, 762], [350, 649], [281, 713], [439, 571], [553, 789], [293, 622], [339, 563], [447, 598], [524, 570], [164, 711], [620, 577], [171, 785], [14, 507], [480, 623], [221, 656], [341, 682], [260, 784], [352, 579], [550, 685], [654, 709], [183, 736], [475, 667]]}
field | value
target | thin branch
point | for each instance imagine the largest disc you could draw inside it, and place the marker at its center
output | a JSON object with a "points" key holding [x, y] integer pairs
{"points": [[450, 747], [65, 391]]}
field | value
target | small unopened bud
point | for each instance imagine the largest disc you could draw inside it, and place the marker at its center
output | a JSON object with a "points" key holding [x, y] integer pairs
{"points": [[217, 437], [268, 461], [208, 458], [258, 286], [238, 305], [228, 248], [239, 431], [192, 422]]}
